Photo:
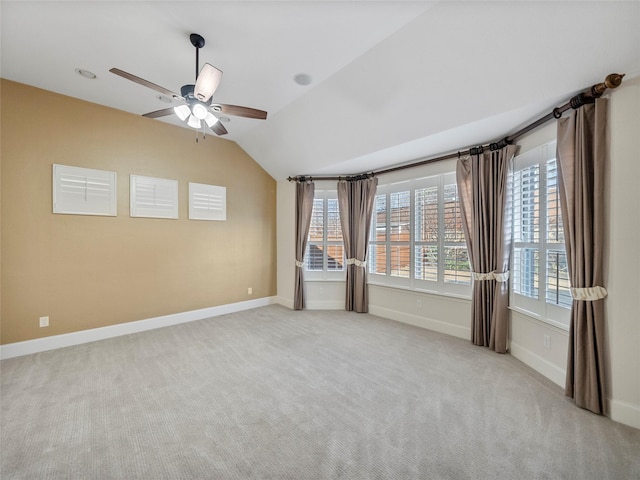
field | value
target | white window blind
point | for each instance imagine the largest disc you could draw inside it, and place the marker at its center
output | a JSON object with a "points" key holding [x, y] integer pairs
{"points": [[417, 240], [454, 249], [207, 202], [324, 257], [84, 191], [539, 273], [426, 233], [153, 197]]}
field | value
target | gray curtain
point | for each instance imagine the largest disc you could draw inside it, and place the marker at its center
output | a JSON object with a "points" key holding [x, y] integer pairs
{"points": [[484, 192], [582, 155], [304, 207], [355, 200]]}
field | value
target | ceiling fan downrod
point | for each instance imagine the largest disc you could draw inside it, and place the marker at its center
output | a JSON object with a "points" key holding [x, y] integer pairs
{"points": [[198, 42]]}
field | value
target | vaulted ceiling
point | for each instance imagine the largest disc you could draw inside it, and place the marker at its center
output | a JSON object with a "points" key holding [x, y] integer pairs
{"points": [[392, 80]]}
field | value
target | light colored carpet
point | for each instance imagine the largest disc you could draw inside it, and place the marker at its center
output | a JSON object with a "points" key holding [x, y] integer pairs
{"points": [[276, 394]]}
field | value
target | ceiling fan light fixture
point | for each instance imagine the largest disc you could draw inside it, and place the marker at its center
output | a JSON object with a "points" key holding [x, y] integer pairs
{"points": [[182, 112], [210, 119], [194, 122], [199, 111]]}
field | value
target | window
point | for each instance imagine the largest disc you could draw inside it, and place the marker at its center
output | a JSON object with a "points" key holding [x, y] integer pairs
{"points": [[84, 191], [207, 202], [416, 238], [540, 277], [153, 197], [324, 257]]}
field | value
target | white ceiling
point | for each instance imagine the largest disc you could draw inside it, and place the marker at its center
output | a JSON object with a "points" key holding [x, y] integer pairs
{"points": [[393, 80]]}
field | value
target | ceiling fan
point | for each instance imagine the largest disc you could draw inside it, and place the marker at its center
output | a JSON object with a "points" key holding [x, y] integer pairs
{"points": [[196, 100]]}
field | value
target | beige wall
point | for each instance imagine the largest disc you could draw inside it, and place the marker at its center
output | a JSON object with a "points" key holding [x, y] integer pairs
{"points": [[88, 271]]}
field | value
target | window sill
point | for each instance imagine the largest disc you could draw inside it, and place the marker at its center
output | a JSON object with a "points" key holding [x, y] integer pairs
{"points": [[324, 280], [455, 296], [534, 317]]}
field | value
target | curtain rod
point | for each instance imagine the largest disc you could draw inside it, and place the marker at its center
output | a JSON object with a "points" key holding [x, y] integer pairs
{"points": [[589, 95]]}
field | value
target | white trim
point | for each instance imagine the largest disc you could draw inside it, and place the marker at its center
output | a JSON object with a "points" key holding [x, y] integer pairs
{"points": [[324, 305], [285, 302], [624, 412], [423, 322], [554, 373], [435, 293], [37, 345], [539, 319]]}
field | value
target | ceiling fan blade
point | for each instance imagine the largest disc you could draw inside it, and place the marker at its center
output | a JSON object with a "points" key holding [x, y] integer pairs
{"points": [[144, 82], [219, 129], [240, 111], [207, 82], [160, 113]]}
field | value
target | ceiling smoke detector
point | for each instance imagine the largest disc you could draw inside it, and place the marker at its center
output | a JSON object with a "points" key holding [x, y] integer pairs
{"points": [[302, 79]]}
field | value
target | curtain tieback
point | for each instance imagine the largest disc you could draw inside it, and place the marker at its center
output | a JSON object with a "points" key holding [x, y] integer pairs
{"points": [[589, 294], [356, 262], [299, 264], [500, 277]]}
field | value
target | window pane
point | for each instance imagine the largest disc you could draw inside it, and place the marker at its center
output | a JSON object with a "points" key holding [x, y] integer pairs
{"points": [[335, 258], [426, 263], [314, 257], [555, 233], [558, 292], [456, 265], [400, 216], [378, 259], [453, 231], [334, 230], [525, 271], [426, 221], [316, 228], [379, 221], [400, 261], [526, 205]]}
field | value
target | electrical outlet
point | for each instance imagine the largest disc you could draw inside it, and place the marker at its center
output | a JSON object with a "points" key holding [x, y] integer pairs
{"points": [[249, 291], [546, 341], [44, 322]]}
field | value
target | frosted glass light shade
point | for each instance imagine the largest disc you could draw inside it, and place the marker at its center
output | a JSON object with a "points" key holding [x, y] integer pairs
{"points": [[210, 119], [182, 112], [199, 111], [194, 122]]}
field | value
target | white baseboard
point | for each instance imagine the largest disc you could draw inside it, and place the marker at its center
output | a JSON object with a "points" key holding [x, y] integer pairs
{"points": [[27, 347], [428, 323], [285, 302], [324, 305], [624, 412], [554, 373]]}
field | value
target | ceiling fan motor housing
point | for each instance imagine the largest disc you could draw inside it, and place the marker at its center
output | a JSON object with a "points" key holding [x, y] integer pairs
{"points": [[187, 93]]}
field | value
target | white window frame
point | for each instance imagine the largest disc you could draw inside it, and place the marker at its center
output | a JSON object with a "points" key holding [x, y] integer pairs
{"points": [[163, 199], [538, 308], [207, 202], [439, 286], [84, 191], [325, 274]]}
